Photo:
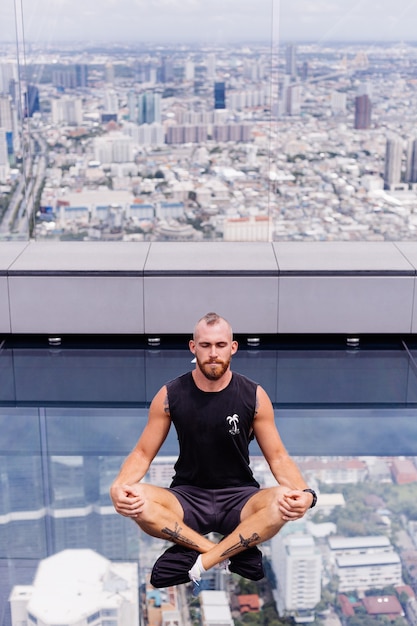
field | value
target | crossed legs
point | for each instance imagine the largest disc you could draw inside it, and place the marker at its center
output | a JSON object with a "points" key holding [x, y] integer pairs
{"points": [[162, 516]]}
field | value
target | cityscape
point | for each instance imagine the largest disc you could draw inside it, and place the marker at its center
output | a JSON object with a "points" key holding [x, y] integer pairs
{"points": [[238, 142]]}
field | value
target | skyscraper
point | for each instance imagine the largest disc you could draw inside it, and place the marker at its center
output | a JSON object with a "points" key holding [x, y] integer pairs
{"points": [[412, 162], [167, 70], [211, 66], [338, 102], [149, 108], [290, 60], [290, 97], [6, 113], [81, 75], [293, 100], [393, 161], [219, 95], [363, 110], [4, 158], [8, 72], [32, 101]]}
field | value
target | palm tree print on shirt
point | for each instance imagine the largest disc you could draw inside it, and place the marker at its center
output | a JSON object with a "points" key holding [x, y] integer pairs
{"points": [[233, 421]]}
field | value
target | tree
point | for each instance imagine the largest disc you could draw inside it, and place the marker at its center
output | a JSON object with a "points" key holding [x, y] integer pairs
{"points": [[252, 619], [247, 587]]}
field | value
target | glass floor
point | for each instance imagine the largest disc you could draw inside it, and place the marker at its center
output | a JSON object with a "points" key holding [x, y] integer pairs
{"points": [[70, 413]]}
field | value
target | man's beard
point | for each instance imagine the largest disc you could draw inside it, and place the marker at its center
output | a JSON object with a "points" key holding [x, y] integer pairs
{"points": [[213, 370]]}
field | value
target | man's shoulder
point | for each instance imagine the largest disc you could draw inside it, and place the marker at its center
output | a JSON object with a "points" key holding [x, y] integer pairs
{"points": [[245, 380], [179, 381]]}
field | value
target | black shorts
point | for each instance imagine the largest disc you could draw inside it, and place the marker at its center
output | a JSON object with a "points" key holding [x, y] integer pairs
{"points": [[212, 510]]}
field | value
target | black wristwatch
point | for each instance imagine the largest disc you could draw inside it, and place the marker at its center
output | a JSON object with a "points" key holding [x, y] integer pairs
{"points": [[313, 493]]}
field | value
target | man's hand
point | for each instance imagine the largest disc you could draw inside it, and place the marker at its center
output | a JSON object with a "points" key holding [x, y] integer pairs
{"points": [[294, 503], [126, 500]]}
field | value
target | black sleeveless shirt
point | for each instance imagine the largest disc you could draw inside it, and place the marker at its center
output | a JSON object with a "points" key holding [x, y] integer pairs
{"points": [[214, 430]]}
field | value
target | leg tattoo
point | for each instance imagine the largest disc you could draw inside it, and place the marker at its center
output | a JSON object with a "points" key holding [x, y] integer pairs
{"points": [[245, 543], [176, 536]]}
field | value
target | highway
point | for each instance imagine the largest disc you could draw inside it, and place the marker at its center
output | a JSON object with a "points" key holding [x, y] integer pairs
{"points": [[16, 219]]}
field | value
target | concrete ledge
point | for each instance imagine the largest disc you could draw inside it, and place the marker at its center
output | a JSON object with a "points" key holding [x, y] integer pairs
{"points": [[264, 288]]}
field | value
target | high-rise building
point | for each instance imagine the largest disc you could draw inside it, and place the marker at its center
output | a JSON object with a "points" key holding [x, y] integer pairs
{"points": [[68, 110], [291, 60], [189, 70], [305, 71], [149, 108], [32, 101], [6, 113], [293, 100], [4, 157], [109, 73], [64, 78], [393, 161], [363, 110], [167, 70], [219, 95], [290, 97], [412, 161], [297, 564], [81, 75], [113, 148], [338, 102], [211, 66], [8, 73], [144, 108], [110, 101]]}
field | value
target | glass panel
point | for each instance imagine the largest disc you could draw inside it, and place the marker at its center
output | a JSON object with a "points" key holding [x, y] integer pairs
{"points": [[57, 461], [105, 431], [208, 122], [53, 375], [346, 432], [22, 493], [292, 374]]}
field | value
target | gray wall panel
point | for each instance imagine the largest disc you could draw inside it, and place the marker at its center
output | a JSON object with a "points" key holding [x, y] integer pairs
{"points": [[346, 304], [173, 304], [76, 304]]}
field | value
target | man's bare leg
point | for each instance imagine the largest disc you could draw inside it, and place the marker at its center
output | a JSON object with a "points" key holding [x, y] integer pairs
{"points": [[162, 516]]}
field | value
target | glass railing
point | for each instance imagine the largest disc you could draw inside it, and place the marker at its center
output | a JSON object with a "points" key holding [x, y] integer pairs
{"points": [[69, 414], [249, 122]]}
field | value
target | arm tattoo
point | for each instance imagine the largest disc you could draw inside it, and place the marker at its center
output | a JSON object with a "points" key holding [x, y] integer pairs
{"points": [[166, 405], [243, 543], [176, 536]]}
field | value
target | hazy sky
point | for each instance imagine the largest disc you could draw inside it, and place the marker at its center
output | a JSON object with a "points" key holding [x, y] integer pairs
{"points": [[211, 20]]}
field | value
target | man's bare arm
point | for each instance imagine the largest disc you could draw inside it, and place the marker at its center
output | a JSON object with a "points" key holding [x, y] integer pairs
{"points": [[138, 461], [283, 467]]}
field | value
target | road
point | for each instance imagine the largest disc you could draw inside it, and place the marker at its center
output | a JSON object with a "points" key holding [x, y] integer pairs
{"points": [[16, 219]]}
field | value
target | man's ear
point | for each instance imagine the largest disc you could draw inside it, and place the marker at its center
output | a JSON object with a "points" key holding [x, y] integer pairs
{"points": [[235, 346], [191, 345]]}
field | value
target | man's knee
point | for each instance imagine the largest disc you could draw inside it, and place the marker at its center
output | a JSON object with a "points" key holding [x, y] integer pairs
{"points": [[273, 502], [267, 500], [156, 502]]}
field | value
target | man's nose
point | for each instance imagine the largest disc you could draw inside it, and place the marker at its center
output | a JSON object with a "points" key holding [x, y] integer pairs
{"points": [[213, 351]]}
